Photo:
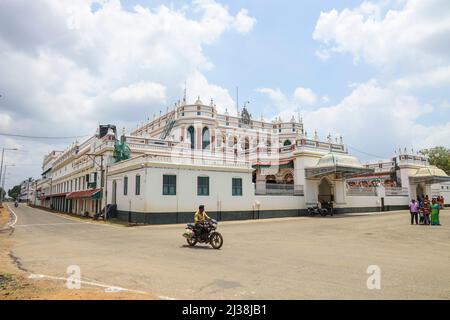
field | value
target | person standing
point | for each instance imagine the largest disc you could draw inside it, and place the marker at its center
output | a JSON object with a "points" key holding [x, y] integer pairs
{"points": [[413, 210], [435, 213], [426, 210]]}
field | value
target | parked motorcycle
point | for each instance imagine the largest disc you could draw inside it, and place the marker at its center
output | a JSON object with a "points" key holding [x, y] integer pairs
{"points": [[314, 211], [205, 234]]}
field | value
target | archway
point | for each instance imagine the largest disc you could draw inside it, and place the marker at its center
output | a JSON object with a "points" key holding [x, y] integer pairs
{"points": [[325, 191], [288, 178], [271, 179], [206, 139], [191, 133], [287, 143], [420, 191]]}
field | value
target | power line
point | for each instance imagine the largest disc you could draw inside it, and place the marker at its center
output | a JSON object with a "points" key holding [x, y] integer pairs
{"points": [[366, 153], [40, 137]]}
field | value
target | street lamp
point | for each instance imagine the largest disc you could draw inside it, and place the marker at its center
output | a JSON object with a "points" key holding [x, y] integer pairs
{"points": [[3, 182], [1, 166]]}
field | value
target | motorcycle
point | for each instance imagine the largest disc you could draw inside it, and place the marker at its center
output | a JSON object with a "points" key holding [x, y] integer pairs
{"points": [[314, 211], [205, 233], [16, 204]]}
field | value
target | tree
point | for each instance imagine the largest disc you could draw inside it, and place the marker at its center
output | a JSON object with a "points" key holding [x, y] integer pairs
{"points": [[14, 192], [2, 193], [439, 157]]}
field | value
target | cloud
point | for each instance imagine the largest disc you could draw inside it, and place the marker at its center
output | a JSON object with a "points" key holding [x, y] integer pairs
{"points": [[436, 78], [305, 96], [375, 118], [198, 86], [415, 35], [244, 23], [80, 63], [147, 92]]}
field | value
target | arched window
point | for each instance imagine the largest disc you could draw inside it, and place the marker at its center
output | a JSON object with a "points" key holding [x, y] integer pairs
{"points": [[270, 179], [246, 143], [205, 138], [288, 178], [191, 133], [287, 143]]}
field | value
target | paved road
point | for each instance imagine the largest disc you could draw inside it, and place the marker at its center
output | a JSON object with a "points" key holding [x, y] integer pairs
{"points": [[297, 258]]}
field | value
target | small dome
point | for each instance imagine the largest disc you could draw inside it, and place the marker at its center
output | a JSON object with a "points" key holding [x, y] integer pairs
{"points": [[430, 171], [199, 102], [335, 159]]}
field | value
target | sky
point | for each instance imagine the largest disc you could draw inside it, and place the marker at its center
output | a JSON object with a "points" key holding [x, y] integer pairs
{"points": [[375, 72]]}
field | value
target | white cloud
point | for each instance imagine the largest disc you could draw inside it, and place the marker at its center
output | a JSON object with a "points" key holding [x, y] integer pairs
{"points": [[243, 22], [438, 78], [305, 96], [5, 121], [415, 35], [375, 118], [70, 67], [198, 86], [148, 92]]}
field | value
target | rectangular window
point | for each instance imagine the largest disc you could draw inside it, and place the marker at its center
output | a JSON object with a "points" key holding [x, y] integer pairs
{"points": [[125, 186], [169, 185], [138, 185], [203, 186], [237, 187]]}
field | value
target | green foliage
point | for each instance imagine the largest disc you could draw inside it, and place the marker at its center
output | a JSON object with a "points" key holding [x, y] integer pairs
{"points": [[14, 192], [439, 157]]}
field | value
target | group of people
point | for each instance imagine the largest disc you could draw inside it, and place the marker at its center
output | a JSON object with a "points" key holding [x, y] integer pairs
{"points": [[424, 211]]}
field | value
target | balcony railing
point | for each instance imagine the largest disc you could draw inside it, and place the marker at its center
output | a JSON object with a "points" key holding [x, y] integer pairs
{"points": [[280, 189], [397, 191], [362, 191]]}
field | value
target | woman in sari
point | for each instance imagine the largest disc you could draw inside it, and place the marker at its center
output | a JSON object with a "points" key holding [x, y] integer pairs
{"points": [[426, 210], [434, 213]]}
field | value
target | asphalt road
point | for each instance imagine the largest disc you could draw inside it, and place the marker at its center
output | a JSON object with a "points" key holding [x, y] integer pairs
{"points": [[295, 258]]}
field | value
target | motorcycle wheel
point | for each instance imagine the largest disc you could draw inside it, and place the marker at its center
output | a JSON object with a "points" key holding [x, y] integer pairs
{"points": [[216, 240], [191, 241]]}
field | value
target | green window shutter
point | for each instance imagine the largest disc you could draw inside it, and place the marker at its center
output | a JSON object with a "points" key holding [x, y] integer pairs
{"points": [[125, 186], [138, 185], [203, 186], [169, 185], [236, 187]]}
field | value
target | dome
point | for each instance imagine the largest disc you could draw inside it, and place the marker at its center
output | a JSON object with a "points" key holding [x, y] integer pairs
{"points": [[337, 159], [199, 102], [430, 171]]}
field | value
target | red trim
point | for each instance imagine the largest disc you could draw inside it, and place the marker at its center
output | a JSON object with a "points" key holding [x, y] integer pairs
{"points": [[83, 194], [59, 194]]}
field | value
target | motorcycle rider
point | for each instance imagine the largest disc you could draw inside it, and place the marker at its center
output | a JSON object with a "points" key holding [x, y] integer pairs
{"points": [[200, 217], [16, 204]]}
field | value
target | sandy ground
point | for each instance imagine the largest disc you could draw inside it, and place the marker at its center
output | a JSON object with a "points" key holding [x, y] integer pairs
{"points": [[15, 283], [293, 258]]}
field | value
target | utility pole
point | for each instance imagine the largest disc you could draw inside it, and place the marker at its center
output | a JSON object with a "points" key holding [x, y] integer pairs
{"points": [[1, 168]]}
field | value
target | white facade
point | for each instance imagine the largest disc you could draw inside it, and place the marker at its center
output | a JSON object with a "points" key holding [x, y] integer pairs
{"points": [[254, 169]]}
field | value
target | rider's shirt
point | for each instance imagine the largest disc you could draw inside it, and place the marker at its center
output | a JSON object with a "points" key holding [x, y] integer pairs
{"points": [[200, 217]]}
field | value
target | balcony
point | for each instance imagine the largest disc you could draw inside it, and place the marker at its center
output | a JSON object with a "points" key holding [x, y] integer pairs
{"points": [[397, 191], [278, 189], [362, 191]]}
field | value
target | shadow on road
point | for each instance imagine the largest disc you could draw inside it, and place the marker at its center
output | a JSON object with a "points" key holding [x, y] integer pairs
{"points": [[206, 247]]}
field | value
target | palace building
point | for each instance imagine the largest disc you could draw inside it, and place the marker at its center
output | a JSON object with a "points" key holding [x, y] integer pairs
{"points": [[237, 166]]}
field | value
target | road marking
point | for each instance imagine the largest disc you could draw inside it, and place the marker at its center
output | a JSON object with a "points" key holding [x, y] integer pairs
{"points": [[15, 217], [47, 224], [108, 288]]}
